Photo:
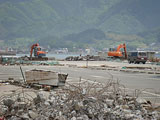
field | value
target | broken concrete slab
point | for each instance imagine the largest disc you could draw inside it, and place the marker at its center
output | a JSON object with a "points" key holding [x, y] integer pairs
{"points": [[32, 114], [44, 77]]}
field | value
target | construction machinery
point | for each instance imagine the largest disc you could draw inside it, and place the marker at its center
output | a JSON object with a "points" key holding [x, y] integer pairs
{"points": [[117, 53], [38, 53]]}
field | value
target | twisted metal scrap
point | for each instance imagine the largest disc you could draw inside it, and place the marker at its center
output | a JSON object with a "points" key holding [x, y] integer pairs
{"points": [[19, 95], [83, 99]]}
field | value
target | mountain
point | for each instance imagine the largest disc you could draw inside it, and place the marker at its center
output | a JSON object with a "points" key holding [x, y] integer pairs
{"points": [[131, 16], [77, 22]]}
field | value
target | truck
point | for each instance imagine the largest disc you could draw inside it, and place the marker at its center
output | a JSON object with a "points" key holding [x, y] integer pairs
{"points": [[137, 57]]}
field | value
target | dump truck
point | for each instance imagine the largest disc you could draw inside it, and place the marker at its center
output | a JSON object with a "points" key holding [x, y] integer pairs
{"points": [[137, 57]]}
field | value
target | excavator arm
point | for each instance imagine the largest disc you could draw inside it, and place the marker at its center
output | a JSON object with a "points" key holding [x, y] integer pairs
{"points": [[124, 47], [125, 51], [32, 47], [119, 47]]}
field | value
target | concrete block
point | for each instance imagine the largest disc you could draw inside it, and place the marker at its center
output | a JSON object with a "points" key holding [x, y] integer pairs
{"points": [[45, 77]]}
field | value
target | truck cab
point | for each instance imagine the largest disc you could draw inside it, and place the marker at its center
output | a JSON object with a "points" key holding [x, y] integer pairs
{"points": [[137, 57]]}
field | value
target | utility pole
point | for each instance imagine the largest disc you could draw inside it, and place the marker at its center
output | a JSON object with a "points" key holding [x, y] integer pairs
{"points": [[87, 61]]}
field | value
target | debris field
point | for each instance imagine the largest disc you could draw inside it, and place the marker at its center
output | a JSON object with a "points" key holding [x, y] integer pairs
{"points": [[81, 101]]}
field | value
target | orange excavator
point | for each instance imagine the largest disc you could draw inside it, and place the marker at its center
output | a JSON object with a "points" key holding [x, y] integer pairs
{"points": [[117, 53], [38, 53]]}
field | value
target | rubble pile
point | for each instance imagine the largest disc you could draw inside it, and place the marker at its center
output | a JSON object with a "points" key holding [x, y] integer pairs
{"points": [[79, 102], [84, 58]]}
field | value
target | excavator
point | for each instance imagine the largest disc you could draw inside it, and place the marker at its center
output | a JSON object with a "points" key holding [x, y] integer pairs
{"points": [[117, 53], [38, 53]]}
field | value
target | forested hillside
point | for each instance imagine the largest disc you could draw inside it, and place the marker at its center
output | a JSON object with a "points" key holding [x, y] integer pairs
{"points": [[80, 23]]}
